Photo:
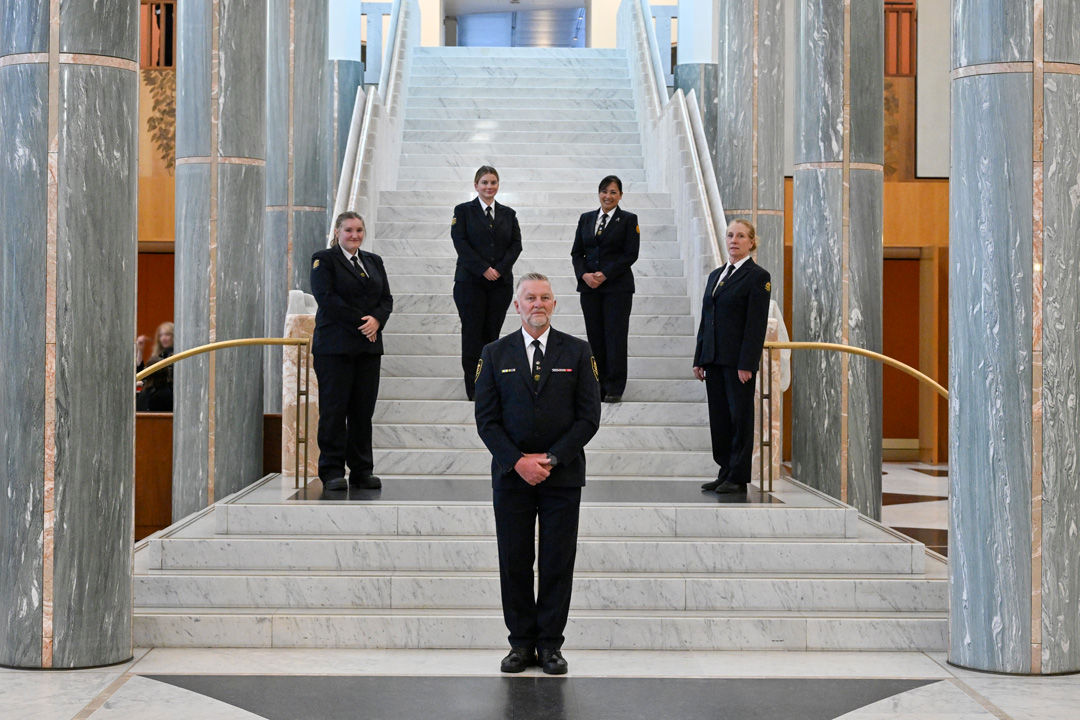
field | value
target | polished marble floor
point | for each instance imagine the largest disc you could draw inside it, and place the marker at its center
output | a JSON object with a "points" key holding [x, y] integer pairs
{"points": [[235, 684]]}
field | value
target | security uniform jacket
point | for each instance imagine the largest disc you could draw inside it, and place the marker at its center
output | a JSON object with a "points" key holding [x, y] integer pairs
{"points": [[613, 252], [559, 416], [480, 246], [344, 299], [735, 318]]}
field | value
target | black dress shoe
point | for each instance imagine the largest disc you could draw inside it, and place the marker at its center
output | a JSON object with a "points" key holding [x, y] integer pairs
{"points": [[518, 660], [731, 488], [338, 484], [713, 484], [553, 662], [365, 482], [612, 398]]}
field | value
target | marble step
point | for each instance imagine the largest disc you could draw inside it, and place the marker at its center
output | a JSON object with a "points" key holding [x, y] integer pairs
{"points": [[500, 150], [476, 519], [639, 203], [429, 63], [571, 321], [586, 630], [450, 365], [550, 104], [550, 125], [429, 302], [512, 178], [583, 185], [468, 85], [592, 591], [536, 248], [688, 414], [496, 93], [526, 215], [530, 232], [520, 114], [455, 54], [646, 268], [608, 164], [467, 554], [602, 71], [450, 388], [601, 463], [564, 138], [638, 345], [464, 436]]}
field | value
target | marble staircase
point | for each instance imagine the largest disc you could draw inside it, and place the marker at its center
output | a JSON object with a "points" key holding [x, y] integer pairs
{"points": [[661, 565]]}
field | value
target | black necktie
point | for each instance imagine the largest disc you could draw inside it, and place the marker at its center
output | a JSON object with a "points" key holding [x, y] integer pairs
{"points": [[724, 276], [538, 360], [603, 224], [490, 215], [358, 266]]}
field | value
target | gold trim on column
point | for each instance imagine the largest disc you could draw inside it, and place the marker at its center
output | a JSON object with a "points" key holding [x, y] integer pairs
{"points": [[991, 69], [196, 160], [300, 208], [24, 59], [99, 60]]}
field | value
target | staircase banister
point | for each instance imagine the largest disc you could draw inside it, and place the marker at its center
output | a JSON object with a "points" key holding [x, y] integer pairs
{"points": [[345, 179], [708, 174], [658, 76], [390, 48]]}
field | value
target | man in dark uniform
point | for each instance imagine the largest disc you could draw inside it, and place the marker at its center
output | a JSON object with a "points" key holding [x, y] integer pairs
{"points": [[537, 405]]}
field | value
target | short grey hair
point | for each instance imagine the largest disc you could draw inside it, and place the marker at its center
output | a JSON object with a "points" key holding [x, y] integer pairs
{"points": [[530, 277]]}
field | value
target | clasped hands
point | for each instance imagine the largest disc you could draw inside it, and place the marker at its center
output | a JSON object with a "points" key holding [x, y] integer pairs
{"points": [[533, 468], [594, 280], [370, 328]]}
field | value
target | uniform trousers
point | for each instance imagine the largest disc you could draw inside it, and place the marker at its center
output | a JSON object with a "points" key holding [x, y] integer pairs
{"points": [[482, 308], [537, 621], [348, 389], [607, 326], [731, 421]]}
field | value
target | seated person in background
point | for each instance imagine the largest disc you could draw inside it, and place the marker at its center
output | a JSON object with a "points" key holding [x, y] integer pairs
{"points": [[157, 390]]}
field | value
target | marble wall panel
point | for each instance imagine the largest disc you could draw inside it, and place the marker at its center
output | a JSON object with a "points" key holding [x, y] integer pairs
{"points": [[770, 252], [97, 27], [238, 372], [95, 321], [1061, 24], [770, 124], [275, 272], [817, 228], [23, 206], [309, 236], [191, 440], [344, 78], [991, 31], [819, 101], [867, 82], [277, 104], [25, 28], [990, 372], [1061, 374], [701, 78], [735, 108], [193, 55], [865, 258], [310, 104], [242, 93]]}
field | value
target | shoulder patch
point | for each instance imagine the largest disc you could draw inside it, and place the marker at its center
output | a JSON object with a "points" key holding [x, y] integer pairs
{"points": [[479, 366], [315, 264], [454, 221], [768, 287], [638, 228], [595, 371]]}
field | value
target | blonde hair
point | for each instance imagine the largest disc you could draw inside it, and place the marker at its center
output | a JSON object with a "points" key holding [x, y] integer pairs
{"points": [[167, 326], [751, 231], [347, 215]]}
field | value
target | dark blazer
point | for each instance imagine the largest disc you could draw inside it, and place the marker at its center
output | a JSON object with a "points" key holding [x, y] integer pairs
{"points": [[734, 322], [479, 246], [612, 253], [560, 417], [344, 299]]}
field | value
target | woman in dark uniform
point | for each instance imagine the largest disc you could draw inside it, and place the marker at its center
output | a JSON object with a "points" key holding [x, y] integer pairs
{"points": [[354, 299], [605, 247], [734, 319], [487, 239]]}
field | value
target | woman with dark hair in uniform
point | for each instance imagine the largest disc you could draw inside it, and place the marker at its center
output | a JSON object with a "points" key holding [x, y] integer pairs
{"points": [[354, 299], [487, 240], [734, 320], [605, 247]]}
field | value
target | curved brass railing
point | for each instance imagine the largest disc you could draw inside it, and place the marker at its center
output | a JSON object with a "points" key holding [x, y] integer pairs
{"points": [[765, 434], [301, 387]]}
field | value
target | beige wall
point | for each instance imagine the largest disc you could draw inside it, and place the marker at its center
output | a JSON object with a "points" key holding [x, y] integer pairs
{"points": [[431, 23]]}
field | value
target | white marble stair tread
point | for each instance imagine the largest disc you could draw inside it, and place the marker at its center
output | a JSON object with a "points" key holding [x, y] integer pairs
{"points": [[549, 125], [499, 150], [446, 267], [637, 390], [434, 64], [534, 249], [471, 88], [603, 163], [442, 435], [565, 285], [537, 214], [498, 74], [655, 630], [627, 413], [513, 178], [535, 53], [556, 199], [530, 232], [447, 365], [496, 112], [444, 303], [570, 322]]}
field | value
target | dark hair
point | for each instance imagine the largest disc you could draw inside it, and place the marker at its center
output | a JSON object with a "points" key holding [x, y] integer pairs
{"points": [[347, 215], [485, 170], [608, 180]]}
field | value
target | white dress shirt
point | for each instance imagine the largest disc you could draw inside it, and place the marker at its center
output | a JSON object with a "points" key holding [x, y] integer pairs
{"points": [[529, 344], [600, 216], [348, 258], [728, 273], [484, 206]]}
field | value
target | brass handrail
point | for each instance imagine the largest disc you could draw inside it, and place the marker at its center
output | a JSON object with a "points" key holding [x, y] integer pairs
{"points": [[884, 359], [301, 388]]}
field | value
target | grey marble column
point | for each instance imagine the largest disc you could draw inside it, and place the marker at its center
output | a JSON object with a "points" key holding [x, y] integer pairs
{"points": [[220, 204], [701, 78], [297, 105], [69, 89], [345, 78], [1014, 341], [750, 124], [837, 225]]}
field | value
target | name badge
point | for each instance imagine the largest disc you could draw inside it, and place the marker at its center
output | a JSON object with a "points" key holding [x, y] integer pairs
{"points": [[509, 370], [562, 369]]}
